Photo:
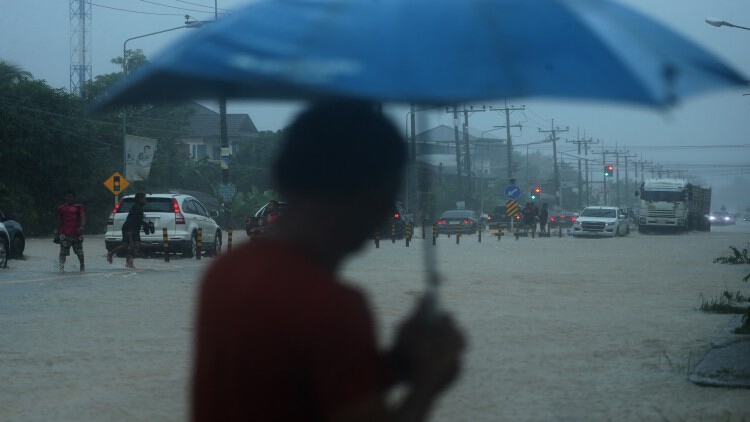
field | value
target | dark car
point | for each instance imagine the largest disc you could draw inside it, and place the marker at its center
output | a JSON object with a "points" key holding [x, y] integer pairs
{"points": [[721, 218], [563, 219], [15, 234], [257, 224], [458, 221], [499, 219], [396, 222]]}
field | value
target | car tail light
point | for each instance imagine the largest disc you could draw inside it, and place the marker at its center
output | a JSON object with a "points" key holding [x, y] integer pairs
{"points": [[396, 216], [111, 219], [442, 221], [178, 217], [572, 219], [552, 219], [489, 218], [518, 216]]}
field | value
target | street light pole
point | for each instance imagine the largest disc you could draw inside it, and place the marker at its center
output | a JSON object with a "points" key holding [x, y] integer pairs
{"points": [[188, 24]]}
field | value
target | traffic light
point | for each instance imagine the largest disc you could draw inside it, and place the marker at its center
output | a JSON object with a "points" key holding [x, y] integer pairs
{"points": [[536, 192], [609, 170]]}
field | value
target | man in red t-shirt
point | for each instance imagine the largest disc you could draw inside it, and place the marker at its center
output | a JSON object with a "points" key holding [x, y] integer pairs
{"points": [[279, 336], [71, 221]]}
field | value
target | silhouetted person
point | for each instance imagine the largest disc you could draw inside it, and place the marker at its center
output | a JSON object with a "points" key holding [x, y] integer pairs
{"points": [[279, 336], [131, 232], [543, 218]]}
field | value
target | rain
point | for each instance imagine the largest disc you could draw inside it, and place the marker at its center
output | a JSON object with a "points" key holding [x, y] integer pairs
{"points": [[559, 327]]}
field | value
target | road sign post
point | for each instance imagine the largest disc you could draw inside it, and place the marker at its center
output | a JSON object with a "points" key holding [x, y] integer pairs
{"points": [[511, 208], [116, 184]]}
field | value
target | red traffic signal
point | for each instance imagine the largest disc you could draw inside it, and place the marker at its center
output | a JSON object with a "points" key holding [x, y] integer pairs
{"points": [[609, 170], [538, 190]]}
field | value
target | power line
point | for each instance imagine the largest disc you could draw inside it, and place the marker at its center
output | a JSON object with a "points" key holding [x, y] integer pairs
{"points": [[201, 5], [137, 11], [173, 7], [225, 11]]}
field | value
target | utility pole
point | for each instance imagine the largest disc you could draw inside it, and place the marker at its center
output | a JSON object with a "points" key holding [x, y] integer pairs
{"points": [[627, 183], [617, 154], [467, 144], [553, 136], [604, 163], [225, 153], [586, 148], [467, 147], [507, 127], [458, 150], [412, 186], [585, 143], [617, 176]]}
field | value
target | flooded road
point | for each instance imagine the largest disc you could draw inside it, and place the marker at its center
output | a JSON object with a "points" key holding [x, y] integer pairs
{"points": [[559, 328]]}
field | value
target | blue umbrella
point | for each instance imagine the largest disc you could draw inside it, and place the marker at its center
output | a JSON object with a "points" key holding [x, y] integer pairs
{"points": [[431, 52]]}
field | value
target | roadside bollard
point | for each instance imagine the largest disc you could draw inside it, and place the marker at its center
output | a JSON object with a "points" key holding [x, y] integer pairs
{"points": [[479, 234], [516, 232], [559, 231], [458, 237], [229, 240], [377, 239], [499, 232], [533, 231], [199, 244], [166, 244], [393, 232], [407, 234], [423, 230], [434, 234]]}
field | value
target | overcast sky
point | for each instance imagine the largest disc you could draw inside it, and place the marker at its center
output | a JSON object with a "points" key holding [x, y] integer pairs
{"points": [[35, 35]]}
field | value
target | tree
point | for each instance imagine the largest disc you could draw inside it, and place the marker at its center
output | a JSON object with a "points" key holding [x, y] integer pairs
{"points": [[48, 147], [12, 75]]}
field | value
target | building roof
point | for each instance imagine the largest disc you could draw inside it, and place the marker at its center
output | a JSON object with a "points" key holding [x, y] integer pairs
{"points": [[445, 133], [204, 123]]}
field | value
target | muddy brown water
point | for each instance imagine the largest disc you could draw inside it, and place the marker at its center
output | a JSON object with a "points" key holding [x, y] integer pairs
{"points": [[559, 329]]}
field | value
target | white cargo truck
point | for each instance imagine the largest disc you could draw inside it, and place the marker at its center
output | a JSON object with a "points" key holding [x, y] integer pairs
{"points": [[675, 204]]}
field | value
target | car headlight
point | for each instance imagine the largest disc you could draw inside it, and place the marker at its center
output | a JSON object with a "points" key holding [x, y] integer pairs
{"points": [[611, 223]]}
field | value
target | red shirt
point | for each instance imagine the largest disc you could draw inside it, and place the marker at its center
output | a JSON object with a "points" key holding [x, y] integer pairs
{"points": [[69, 218], [279, 338]]}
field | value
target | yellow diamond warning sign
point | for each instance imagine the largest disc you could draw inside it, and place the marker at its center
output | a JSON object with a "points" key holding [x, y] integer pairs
{"points": [[116, 183]]}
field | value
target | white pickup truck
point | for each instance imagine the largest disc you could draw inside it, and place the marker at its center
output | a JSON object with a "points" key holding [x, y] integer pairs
{"points": [[601, 221]]}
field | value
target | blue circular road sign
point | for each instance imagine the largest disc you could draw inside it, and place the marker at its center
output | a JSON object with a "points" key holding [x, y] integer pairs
{"points": [[512, 192]]}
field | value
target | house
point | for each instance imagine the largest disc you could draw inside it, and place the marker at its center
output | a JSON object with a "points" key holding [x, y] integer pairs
{"points": [[437, 147], [204, 133]]}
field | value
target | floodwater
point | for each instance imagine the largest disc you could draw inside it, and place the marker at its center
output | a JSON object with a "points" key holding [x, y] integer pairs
{"points": [[559, 328]]}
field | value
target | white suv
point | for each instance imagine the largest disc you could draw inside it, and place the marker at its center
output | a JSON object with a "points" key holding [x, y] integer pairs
{"points": [[601, 221], [181, 215]]}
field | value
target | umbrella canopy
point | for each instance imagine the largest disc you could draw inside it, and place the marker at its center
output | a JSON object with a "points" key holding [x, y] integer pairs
{"points": [[430, 52]]}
